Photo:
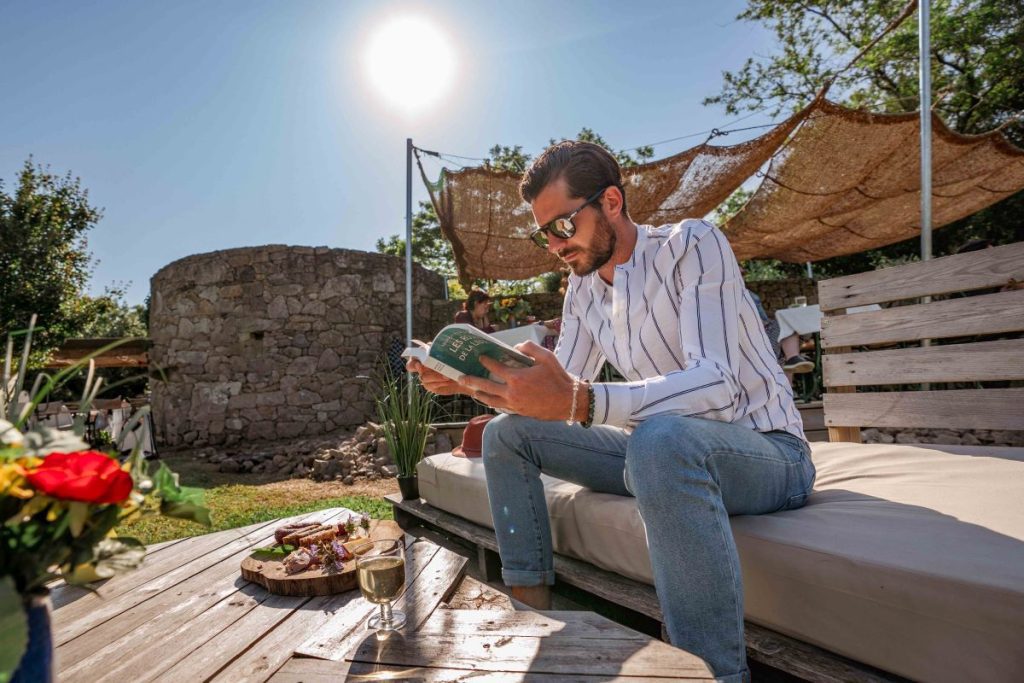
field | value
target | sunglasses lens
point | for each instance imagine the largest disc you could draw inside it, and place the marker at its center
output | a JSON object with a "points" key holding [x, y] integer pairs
{"points": [[540, 238], [562, 227]]}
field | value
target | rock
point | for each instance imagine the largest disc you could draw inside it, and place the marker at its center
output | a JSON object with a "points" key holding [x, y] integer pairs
{"points": [[907, 437], [383, 450], [969, 439], [229, 466], [325, 469], [348, 481]]}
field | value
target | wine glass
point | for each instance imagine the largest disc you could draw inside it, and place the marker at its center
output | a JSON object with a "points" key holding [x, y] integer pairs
{"points": [[380, 569]]}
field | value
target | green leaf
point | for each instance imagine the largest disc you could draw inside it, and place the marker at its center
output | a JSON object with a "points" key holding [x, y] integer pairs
{"points": [[13, 629], [177, 501], [118, 555], [78, 515]]}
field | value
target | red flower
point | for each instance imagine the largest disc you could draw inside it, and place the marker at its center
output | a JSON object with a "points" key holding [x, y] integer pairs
{"points": [[85, 476]]}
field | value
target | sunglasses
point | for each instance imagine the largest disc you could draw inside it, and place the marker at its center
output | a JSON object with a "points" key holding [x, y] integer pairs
{"points": [[562, 227]]}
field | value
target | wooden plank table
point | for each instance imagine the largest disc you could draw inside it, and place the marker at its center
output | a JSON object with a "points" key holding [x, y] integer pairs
{"points": [[187, 615]]}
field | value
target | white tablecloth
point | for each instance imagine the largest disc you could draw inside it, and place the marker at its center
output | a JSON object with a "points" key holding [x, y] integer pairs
{"points": [[807, 319], [517, 335]]}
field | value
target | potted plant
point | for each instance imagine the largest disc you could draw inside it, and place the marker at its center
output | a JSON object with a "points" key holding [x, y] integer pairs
{"points": [[405, 410], [60, 502]]}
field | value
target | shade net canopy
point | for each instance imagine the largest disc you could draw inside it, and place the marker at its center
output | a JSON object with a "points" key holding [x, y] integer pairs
{"points": [[849, 181], [488, 224], [839, 181]]}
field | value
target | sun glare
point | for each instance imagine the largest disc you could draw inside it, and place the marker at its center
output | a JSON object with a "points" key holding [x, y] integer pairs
{"points": [[410, 62]]}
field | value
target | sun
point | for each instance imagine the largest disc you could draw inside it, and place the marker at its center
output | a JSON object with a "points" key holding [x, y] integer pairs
{"points": [[410, 62]]}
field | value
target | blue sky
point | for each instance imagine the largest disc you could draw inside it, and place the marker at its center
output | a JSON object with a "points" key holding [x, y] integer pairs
{"points": [[199, 126]]}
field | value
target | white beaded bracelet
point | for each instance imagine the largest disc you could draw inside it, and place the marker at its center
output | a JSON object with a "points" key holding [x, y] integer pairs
{"points": [[575, 392]]}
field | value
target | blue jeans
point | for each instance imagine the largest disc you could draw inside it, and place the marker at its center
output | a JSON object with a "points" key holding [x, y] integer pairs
{"points": [[687, 474]]}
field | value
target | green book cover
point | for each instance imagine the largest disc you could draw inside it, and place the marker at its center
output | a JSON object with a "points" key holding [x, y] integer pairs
{"points": [[456, 351]]}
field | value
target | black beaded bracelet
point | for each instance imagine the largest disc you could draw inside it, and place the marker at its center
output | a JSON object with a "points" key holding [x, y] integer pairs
{"points": [[590, 406]]}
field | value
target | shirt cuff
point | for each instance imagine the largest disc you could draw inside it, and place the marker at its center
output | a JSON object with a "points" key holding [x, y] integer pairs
{"points": [[613, 404]]}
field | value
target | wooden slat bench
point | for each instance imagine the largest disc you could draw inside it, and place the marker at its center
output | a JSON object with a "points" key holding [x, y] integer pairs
{"points": [[847, 409]]}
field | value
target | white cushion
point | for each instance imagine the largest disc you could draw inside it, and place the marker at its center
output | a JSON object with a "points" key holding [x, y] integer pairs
{"points": [[908, 558]]}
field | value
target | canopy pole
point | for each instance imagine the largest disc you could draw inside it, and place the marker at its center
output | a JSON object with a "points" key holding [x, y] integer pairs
{"points": [[408, 242], [925, 95], [810, 271]]}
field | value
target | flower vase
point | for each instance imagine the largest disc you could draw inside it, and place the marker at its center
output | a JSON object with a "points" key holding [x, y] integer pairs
{"points": [[36, 664]]}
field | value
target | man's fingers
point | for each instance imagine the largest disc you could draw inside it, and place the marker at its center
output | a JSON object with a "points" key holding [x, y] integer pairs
{"points": [[496, 368], [535, 351], [482, 386]]}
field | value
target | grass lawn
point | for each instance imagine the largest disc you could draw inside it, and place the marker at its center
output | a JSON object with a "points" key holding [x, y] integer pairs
{"points": [[240, 499]]}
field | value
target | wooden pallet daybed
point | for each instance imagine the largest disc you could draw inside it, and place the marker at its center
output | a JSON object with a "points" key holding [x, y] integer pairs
{"points": [[907, 559]]}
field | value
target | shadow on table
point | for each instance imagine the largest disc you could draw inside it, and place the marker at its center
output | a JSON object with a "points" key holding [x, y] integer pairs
{"points": [[551, 646]]}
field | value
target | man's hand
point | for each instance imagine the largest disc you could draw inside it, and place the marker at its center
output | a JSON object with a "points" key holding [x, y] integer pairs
{"points": [[434, 382], [543, 391]]}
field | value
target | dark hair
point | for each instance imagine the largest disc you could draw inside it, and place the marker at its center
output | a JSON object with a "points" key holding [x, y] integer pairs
{"points": [[475, 297], [586, 167]]}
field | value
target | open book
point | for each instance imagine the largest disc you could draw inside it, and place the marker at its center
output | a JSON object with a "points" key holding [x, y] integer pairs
{"points": [[456, 352]]}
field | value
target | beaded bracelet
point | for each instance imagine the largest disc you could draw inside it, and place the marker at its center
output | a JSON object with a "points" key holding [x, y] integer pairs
{"points": [[590, 406], [575, 392]]}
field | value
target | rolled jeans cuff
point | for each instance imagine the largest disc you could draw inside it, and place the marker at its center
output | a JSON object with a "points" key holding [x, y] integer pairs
{"points": [[527, 578], [743, 677]]}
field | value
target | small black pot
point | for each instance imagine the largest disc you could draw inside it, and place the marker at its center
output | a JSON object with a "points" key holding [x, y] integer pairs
{"points": [[410, 487]]}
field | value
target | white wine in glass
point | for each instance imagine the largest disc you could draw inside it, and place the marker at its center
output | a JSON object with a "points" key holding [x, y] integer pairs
{"points": [[380, 570]]}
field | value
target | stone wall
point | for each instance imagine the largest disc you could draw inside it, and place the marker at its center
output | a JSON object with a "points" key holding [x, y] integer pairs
{"points": [[266, 343]]}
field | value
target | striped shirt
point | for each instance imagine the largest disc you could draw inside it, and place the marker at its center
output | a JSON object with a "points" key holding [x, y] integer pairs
{"points": [[679, 325]]}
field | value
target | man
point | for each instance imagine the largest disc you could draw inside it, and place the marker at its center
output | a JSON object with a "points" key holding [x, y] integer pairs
{"points": [[703, 427]]}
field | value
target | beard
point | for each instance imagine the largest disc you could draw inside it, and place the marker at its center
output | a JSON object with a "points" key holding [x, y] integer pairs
{"points": [[597, 253]]}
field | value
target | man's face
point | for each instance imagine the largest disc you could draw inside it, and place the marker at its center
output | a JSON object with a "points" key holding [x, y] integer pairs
{"points": [[594, 242]]}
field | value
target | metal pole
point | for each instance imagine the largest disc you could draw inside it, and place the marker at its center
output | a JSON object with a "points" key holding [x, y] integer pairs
{"points": [[810, 271], [408, 241], [925, 94], [925, 104]]}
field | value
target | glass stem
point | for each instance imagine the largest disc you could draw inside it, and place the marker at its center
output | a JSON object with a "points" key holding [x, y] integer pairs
{"points": [[385, 613]]}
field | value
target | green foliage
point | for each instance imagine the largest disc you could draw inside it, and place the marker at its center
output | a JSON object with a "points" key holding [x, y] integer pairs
{"points": [[977, 59], [13, 629], [731, 206], [405, 410], [109, 315], [977, 79], [43, 254], [429, 247], [177, 501]]}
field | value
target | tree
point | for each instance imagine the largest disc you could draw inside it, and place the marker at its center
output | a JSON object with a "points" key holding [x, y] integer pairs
{"points": [[109, 315], [977, 61], [429, 247], [43, 254]]}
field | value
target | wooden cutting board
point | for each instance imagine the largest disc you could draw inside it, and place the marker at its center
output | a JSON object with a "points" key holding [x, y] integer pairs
{"points": [[268, 570]]}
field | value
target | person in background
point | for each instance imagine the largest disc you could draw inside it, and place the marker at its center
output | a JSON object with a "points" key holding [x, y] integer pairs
{"points": [[475, 311]]}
